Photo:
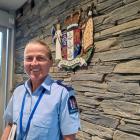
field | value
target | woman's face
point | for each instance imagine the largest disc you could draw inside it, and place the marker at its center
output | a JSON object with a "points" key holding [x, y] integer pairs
{"points": [[36, 62]]}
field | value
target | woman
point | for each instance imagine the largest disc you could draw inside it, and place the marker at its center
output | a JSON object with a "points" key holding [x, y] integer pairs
{"points": [[41, 107]]}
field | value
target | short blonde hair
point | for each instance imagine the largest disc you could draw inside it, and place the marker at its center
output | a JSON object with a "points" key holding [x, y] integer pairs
{"points": [[41, 42]]}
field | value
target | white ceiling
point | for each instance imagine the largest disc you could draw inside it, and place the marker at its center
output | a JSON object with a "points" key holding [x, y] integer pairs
{"points": [[11, 4]]}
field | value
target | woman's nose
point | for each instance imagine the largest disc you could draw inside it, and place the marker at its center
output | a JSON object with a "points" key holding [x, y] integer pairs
{"points": [[35, 62]]}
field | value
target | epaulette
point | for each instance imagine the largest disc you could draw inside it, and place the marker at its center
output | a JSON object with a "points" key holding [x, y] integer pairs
{"points": [[17, 85], [60, 82]]}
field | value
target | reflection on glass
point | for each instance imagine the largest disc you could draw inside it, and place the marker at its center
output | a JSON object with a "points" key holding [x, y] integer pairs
{"points": [[0, 51]]}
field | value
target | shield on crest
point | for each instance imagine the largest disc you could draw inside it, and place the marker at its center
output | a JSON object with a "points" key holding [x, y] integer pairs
{"points": [[71, 44]]}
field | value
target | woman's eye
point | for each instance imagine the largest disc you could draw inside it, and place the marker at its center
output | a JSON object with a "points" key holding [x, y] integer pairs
{"points": [[41, 59], [28, 59]]}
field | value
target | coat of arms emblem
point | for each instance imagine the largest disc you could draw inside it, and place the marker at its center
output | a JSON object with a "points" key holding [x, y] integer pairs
{"points": [[74, 43]]}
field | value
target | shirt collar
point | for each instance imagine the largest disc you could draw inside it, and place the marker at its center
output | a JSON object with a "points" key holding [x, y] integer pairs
{"points": [[46, 84], [28, 86]]}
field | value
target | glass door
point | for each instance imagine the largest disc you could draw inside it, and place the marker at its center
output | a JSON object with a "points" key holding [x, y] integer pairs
{"points": [[6, 70]]}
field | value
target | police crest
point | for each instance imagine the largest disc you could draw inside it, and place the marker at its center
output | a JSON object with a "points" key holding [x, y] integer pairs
{"points": [[74, 43]]}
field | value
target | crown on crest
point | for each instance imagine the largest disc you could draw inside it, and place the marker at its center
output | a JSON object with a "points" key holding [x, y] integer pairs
{"points": [[72, 19]]}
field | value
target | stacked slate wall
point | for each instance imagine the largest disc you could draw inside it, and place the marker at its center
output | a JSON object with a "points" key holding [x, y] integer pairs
{"points": [[108, 89]]}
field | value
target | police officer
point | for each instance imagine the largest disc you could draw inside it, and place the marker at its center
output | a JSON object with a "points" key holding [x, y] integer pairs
{"points": [[42, 108]]}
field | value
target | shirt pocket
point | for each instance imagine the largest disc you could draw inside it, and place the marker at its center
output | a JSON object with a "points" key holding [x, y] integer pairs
{"points": [[40, 127]]}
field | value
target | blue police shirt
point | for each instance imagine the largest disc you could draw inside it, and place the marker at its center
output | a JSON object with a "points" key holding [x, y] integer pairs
{"points": [[55, 114]]}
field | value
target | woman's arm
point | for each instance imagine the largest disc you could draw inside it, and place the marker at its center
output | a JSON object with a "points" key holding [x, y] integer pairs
{"points": [[69, 137], [6, 131]]}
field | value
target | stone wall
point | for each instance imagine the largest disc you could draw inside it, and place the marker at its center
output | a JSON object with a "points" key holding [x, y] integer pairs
{"points": [[108, 89]]}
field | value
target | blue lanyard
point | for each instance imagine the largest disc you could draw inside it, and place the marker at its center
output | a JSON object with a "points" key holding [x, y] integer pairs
{"points": [[31, 115]]}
